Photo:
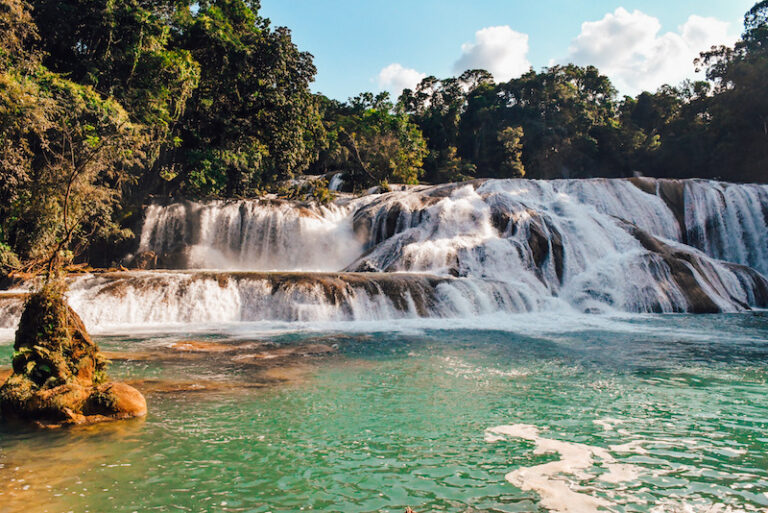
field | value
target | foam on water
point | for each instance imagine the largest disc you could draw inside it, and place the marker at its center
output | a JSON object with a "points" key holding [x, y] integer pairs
{"points": [[551, 480], [570, 484], [542, 324]]}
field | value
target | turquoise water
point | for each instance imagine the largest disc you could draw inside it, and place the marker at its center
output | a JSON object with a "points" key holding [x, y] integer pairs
{"points": [[400, 418]]}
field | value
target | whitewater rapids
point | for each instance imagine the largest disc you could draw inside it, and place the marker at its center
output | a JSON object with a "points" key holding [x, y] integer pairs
{"points": [[453, 250]]}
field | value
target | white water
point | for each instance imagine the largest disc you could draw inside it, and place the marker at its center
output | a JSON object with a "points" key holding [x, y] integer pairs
{"points": [[552, 481], [728, 221], [252, 235], [449, 251]]}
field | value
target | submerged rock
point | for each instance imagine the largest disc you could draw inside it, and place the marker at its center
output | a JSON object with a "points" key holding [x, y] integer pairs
{"points": [[59, 376], [269, 357], [199, 346], [161, 386]]}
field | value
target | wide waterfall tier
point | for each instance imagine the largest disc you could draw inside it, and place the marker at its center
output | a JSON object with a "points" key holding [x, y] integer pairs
{"points": [[725, 221], [638, 245], [192, 297], [454, 250], [167, 297]]}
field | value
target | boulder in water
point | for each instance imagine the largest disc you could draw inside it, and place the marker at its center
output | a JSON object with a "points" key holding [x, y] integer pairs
{"points": [[145, 260], [58, 373]]}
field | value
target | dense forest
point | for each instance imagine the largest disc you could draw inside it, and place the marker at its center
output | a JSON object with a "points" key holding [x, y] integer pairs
{"points": [[104, 104]]}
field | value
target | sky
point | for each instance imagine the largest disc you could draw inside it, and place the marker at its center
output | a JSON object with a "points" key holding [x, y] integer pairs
{"points": [[377, 45]]}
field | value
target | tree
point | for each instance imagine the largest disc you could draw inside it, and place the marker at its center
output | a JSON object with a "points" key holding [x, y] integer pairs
{"points": [[372, 141], [83, 149], [510, 139], [71, 151], [124, 50], [567, 117], [252, 120], [436, 106], [737, 114], [226, 96], [19, 37]]}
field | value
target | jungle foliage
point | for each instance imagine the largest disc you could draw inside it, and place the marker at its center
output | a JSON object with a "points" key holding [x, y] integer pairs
{"points": [[103, 104]]}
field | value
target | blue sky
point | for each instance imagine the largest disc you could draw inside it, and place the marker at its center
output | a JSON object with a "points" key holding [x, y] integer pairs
{"points": [[373, 45]]}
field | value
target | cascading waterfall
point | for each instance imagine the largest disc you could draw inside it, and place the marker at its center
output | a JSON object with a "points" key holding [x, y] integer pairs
{"points": [[168, 297], [453, 250], [585, 242], [250, 235], [728, 221]]}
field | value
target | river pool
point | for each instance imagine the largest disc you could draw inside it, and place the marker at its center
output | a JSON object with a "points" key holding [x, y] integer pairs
{"points": [[520, 413]]}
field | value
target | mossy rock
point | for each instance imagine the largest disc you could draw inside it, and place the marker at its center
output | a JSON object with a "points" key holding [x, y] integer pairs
{"points": [[116, 400], [58, 373], [52, 346]]}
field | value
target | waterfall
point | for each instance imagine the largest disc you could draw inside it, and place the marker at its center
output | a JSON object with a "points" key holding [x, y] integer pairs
{"points": [[725, 221], [596, 244], [166, 297], [451, 250], [252, 235], [728, 222], [336, 183]]}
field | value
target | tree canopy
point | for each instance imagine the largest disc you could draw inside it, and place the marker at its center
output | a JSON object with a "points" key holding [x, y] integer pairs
{"points": [[104, 104]]}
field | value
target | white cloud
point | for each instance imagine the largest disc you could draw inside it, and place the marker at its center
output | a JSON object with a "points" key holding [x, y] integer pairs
{"points": [[500, 50], [628, 47], [395, 77]]}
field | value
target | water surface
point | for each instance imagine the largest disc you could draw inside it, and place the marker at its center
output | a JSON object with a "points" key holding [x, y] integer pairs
{"points": [[401, 416]]}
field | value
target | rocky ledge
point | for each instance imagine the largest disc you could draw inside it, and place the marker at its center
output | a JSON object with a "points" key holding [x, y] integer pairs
{"points": [[59, 376]]}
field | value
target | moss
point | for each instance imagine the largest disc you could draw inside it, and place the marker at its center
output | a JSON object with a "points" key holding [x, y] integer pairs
{"points": [[101, 402], [54, 360], [51, 347], [311, 191], [8, 260], [15, 392], [59, 377]]}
